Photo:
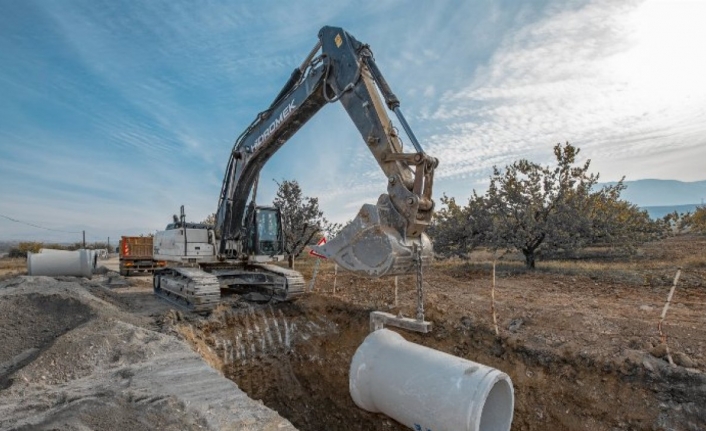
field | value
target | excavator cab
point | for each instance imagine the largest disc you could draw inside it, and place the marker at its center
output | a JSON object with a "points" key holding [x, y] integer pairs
{"points": [[265, 236]]}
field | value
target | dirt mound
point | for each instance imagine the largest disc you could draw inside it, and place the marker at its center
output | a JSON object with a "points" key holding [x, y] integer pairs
{"points": [[35, 320], [111, 411], [90, 366]]}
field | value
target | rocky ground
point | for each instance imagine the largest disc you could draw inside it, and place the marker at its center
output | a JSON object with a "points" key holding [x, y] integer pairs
{"points": [[578, 338]]}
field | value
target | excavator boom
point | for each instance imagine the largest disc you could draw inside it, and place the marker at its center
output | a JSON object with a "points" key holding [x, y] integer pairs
{"points": [[383, 238]]}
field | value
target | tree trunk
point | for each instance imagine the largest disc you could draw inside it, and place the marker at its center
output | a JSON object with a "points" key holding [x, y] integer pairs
{"points": [[290, 261], [529, 258]]}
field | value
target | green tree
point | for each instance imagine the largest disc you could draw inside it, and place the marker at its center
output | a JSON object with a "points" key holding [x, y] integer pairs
{"points": [[673, 222], [303, 222], [535, 208], [457, 230], [15, 253], [210, 220], [617, 222], [25, 247], [694, 222]]}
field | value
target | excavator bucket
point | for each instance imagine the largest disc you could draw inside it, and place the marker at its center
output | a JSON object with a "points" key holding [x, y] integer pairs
{"points": [[372, 247]]}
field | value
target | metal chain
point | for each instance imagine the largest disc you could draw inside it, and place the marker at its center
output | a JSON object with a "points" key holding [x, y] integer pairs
{"points": [[420, 289]]}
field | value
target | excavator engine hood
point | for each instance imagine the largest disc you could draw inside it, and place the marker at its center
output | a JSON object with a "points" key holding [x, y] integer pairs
{"points": [[374, 245]]}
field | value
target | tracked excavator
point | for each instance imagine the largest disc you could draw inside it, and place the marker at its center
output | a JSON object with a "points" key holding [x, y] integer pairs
{"points": [[241, 250]]}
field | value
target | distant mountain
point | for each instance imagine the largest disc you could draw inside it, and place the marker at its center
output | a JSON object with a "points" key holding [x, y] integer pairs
{"points": [[654, 193], [661, 197], [661, 211]]}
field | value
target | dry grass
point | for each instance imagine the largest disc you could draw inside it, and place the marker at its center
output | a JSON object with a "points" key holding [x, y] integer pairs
{"points": [[10, 267], [13, 263], [694, 262], [651, 265], [654, 264]]}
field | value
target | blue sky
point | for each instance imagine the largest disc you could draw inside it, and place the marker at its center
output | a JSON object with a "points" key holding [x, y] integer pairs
{"points": [[115, 113]]}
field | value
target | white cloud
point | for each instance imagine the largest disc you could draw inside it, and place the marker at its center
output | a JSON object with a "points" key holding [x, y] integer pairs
{"points": [[151, 97], [617, 79]]}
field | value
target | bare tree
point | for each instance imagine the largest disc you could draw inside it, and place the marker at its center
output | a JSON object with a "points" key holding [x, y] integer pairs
{"points": [[210, 220]]}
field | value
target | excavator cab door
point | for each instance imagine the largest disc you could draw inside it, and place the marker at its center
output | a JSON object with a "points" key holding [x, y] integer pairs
{"points": [[265, 236]]}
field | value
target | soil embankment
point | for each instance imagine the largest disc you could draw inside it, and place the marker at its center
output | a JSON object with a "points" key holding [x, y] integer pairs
{"points": [[70, 360]]}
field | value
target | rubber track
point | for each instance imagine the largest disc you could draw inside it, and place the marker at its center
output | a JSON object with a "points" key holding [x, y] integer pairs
{"points": [[192, 288], [200, 291], [296, 285]]}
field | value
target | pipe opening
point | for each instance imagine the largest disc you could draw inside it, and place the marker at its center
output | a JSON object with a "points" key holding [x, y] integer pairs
{"points": [[497, 408]]}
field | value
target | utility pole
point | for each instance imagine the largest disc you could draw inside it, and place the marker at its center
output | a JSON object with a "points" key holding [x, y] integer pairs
{"points": [[84, 239]]}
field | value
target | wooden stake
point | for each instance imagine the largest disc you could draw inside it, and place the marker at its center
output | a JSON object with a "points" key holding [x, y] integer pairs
{"points": [[395, 291], [662, 335], [492, 301], [335, 274]]}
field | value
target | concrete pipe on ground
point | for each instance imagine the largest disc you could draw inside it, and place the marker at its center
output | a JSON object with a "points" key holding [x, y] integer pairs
{"points": [[79, 263], [94, 259], [426, 389], [93, 254], [52, 250]]}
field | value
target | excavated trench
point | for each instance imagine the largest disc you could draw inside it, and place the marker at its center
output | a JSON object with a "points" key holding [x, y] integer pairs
{"points": [[295, 358]]}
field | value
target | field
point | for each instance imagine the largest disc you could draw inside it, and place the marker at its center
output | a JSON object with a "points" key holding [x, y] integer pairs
{"points": [[579, 339], [10, 267]]}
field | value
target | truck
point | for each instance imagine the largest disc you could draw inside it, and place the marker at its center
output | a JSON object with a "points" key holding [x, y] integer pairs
{"points": [[136, 254]]}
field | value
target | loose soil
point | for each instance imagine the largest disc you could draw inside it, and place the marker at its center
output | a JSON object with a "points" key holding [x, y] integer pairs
{"points": [[578, 338], [70, 360], [582, 348]]}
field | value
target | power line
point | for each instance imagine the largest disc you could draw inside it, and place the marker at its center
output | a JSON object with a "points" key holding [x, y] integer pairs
{"points": [[34, 225]]}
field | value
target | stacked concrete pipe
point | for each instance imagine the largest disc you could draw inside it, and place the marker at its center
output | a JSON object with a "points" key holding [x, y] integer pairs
{"points": [[51, 262], [426, 389]]}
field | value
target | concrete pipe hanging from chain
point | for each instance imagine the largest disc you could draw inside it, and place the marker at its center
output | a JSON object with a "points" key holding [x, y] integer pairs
{"points": [[426, 389]]}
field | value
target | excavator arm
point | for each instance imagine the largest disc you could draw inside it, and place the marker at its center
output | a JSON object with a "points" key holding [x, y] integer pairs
{"points": [[384, 239]]}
